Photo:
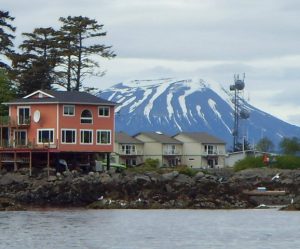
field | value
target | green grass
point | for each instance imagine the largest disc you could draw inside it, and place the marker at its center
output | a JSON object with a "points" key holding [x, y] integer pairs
{"points": [[248, 163]]}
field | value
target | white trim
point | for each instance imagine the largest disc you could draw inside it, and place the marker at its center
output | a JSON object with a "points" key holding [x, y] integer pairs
{"points": [[67, 115], [103, 116], [44, 129], [91, 130], [68, 129], [110, 133], [57, 124], [38, 91]]}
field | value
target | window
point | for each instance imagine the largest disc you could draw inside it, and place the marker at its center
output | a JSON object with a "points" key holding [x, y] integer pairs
{"points": [[103, 137], [20, 137], [23, 115], [69, 110], [86, 117], [45, 136], [128, 149], [68, 136], [103, 111], [86, 136], [209, 149]]}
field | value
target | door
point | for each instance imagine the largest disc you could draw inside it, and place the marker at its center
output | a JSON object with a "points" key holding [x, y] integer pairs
{"points": [[20, 138]]}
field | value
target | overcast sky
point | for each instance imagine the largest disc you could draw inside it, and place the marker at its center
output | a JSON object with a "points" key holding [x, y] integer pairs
{"points": [[210, 39]]}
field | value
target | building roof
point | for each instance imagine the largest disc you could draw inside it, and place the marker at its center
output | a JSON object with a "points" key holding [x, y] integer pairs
{"points": [[64, 97], [202, 137], [124, 138], [160, 137]]}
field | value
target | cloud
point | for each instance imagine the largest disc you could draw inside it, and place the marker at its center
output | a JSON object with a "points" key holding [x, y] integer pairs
{"points": [[185, 38]]}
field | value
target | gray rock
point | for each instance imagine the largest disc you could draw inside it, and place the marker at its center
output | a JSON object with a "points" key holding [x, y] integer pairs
{"points": [[182, 179], [199, 175], [52, 178], [169, 188], [105, 178], [142, 179], [170, 176], [10, 178]]}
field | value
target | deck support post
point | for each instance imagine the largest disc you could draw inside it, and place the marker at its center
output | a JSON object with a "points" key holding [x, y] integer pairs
{"points": [[15, 161], [30, 163], [48, 163], [108, 161]]}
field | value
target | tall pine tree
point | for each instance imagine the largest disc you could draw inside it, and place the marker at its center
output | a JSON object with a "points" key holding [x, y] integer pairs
{"points": [[34, 67], [6, 36], [78, 34]]}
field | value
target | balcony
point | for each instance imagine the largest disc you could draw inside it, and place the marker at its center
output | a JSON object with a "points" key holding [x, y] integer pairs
{"points": [[171, 152], [25, 144], [131, 152], [6, 121], [23, 122], [213, 153]]}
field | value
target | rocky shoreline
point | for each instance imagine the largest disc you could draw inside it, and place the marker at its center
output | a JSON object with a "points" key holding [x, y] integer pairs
{"points": [[220, 189]]}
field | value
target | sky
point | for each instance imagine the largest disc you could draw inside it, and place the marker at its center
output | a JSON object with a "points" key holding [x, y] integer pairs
{"points": [[209, 39]]}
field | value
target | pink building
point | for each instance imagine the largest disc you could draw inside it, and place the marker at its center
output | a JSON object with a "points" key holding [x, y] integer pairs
{"points": [[74, 126]]}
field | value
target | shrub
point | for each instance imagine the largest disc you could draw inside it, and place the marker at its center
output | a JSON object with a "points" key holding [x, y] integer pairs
{"points": [[186, 171], [287, 162], [280, 162], [248, 163], [152, 163]]}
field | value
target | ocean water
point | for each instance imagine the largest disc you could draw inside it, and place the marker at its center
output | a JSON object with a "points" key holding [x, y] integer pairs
{"points": [[149, 229]]}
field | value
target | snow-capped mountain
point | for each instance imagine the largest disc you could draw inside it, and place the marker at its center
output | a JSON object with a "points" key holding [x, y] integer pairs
{"points": [[171, 106]]}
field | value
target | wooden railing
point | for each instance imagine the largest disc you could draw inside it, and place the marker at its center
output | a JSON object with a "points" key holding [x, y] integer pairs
{"points": [[15, 144], [6, 121]]}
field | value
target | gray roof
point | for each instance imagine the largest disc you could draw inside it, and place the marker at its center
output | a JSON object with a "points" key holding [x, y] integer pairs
{"points": [[202, 137], [64, 97], [124, 138], [159, 137]]}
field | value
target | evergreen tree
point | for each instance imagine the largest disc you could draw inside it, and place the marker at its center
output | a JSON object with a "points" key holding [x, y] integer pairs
{"points": [[6, 36], [34, 68], [78, 33], [265, 145], [7, 92], [290, 146]]}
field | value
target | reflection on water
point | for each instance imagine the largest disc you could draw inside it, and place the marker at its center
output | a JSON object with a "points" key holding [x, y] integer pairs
{"points": [[143, 229]]}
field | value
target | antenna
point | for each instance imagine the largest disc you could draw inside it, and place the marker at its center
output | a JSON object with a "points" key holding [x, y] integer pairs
{"points": [[239, 112]]}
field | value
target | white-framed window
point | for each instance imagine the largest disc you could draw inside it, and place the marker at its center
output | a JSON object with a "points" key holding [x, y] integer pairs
{"points": [[86, 136], [209, 149], [45, 136], [69, 110], [23, 115], [20, 137], [103, 137], [128, 149], [103, 111], [86, 117], [68, 136]]}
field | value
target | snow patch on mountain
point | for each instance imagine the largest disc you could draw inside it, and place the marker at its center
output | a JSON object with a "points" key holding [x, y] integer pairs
{"points": [[174, 105], [160, 89]]}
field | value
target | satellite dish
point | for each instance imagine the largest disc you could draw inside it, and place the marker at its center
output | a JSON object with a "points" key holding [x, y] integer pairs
{"points": [[239, 84], [36, 116], [244, 114]]}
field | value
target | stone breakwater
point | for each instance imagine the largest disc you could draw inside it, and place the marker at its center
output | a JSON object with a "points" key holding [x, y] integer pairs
{"points": [[213, 190]]}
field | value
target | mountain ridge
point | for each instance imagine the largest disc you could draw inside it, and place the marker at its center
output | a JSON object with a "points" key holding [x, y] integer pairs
{"points": [[174, 105]]}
